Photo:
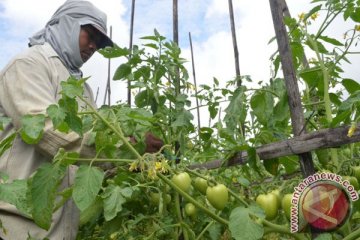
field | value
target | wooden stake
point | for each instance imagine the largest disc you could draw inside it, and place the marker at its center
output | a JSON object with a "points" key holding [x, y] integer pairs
{"points": [[130, 48], [108, 86], [195, 85], [236, 51], [296, 112]]}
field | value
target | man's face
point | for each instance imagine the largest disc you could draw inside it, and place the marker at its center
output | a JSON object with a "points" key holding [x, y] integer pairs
{"points": [[89, 40]]}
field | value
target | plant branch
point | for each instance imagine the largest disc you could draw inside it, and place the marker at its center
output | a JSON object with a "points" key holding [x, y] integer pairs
{"points": [[116, 131]]}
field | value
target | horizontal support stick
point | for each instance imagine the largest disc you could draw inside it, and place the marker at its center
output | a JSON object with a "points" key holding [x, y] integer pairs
{"points": [[324, 138]]}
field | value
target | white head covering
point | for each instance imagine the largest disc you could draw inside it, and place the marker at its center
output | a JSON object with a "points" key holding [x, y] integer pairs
{"points": [[63, 30]]}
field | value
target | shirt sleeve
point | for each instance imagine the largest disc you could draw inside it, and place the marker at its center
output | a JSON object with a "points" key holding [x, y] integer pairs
{"points": [[27, 88]]}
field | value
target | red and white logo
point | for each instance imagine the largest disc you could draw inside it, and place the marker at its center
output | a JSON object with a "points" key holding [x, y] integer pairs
{"points": [[325, 206]]}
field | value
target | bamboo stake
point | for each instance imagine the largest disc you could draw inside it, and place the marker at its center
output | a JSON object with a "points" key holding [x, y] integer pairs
{"points": [[296, 112], [97, 94], [130, 48], [177, 77], [236, 51], [108, 86], [236, 54], [196, 91]]}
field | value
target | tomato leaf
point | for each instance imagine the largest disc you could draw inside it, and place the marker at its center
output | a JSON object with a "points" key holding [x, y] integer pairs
{"points": [[355, 15], [88, 181], [74, 122], [340, 117], [4, 121], [215, 231], [122, 71], [324, 236], [350, 85], [73, 87], [272, 165], [290, 163], [262, 105], [56, 114], [249, 229], [15, 194], [43, 188], [114, 52], [114, 198], [32, 128], [331, 40], [183, 119], [236, 110], [312, 76], [91, 212]]}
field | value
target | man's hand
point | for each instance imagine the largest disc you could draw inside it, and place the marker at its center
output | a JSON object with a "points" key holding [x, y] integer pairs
{"points": [[153, 144]]}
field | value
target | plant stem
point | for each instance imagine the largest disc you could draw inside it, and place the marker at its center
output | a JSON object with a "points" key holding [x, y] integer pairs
{"points": [[281, 229], [101, 160], [353, 235], [204, 230], [327, 101], [178, 214], [192, 200], [116, 131]]}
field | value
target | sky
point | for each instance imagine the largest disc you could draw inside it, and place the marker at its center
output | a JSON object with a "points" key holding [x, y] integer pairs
{"points": [[206, 20]]}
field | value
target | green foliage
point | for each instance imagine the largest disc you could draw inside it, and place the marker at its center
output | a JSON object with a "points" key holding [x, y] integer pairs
{"points": [[114, 198], [4, 121], [42, 192], [32, 128], [249, 229], [15, 193], [88, 181]]}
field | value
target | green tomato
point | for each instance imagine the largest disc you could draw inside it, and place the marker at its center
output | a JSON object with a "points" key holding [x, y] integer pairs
{"points": [[200, 184], [268, 202], [190, 210], [286, 204], [167, 198], [182, 180], [353, 181], [356, 172], [154, 198], [323, 156], [277, 193], [218, 196]]}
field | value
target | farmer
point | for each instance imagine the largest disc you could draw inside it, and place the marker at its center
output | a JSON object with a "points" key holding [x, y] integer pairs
{"points": [[28, 85]]}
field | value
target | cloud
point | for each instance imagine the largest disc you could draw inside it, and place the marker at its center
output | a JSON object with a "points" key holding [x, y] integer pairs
{"points": [[208, 22]]}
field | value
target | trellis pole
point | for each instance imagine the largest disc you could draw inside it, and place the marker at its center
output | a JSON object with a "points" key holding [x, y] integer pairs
{"points": [[108, 84], [195, 85], [177, 75], [236, 51], [296, 112], [130, 47]]}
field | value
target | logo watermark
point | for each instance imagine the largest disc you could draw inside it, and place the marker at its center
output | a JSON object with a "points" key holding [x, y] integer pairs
{"points": [[323, 201]]}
